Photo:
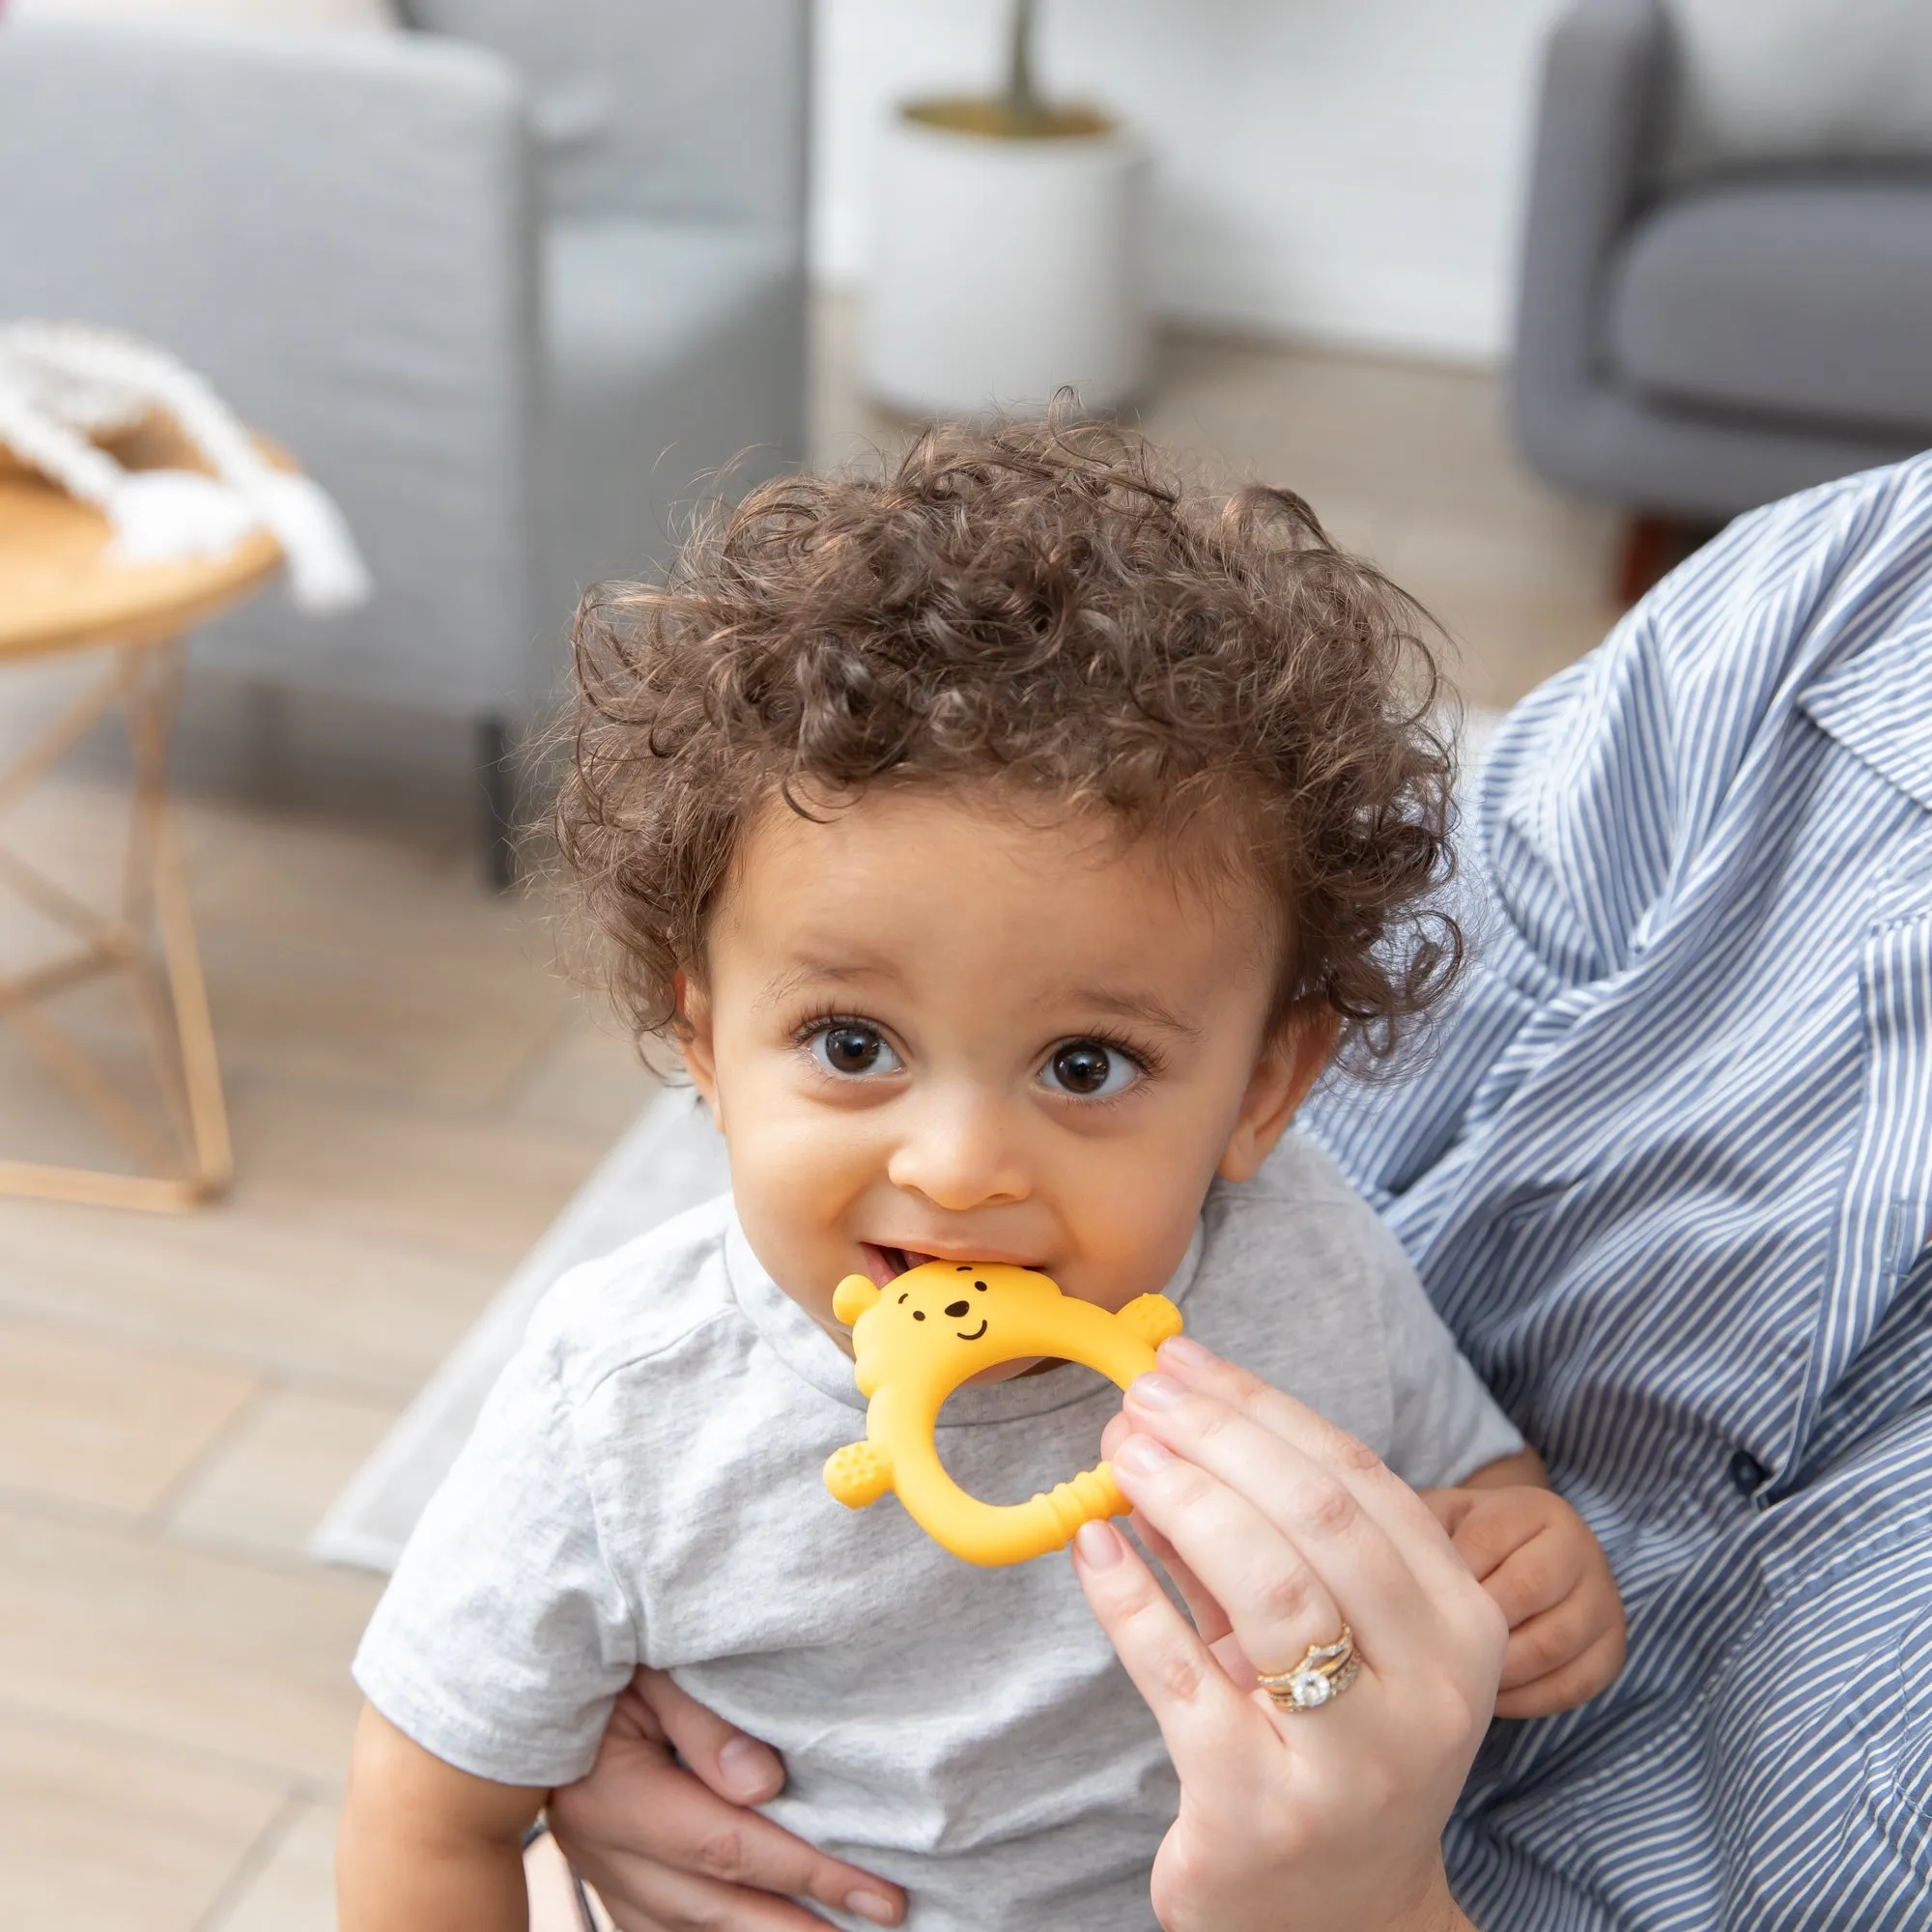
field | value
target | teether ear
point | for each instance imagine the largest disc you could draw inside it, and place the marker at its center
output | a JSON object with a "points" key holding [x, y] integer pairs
{"points": [[1153, 1318], [861, 1472], [853, 1295]]}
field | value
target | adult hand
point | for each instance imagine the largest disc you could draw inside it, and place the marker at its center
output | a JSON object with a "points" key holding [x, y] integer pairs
{"points": [[670, 1846], [1278, 1528]]}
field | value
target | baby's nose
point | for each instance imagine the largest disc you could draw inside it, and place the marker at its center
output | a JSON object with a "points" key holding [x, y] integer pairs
{"points": [[956, 1309]]}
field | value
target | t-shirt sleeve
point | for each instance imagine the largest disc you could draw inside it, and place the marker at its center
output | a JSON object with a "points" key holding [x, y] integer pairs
{"points": [[504, 1638], [1446, 1424]]}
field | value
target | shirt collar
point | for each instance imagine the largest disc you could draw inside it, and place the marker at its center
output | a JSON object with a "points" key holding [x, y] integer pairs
{"points": [[1878, 704]]}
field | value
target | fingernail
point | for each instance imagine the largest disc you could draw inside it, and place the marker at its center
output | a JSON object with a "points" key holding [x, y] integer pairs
{"points": [[746, 1768], [1157, 1391], [1099, 1544], [1187, 1352], [1142, 1454], [869, 1905]]}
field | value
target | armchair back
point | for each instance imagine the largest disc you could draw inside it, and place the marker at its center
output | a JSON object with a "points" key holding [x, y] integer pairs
{"points": [[658, 108]]}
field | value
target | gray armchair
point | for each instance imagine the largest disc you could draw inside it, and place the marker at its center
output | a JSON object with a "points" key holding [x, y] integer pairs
{"points": [[1697, 346], [508, 286]]}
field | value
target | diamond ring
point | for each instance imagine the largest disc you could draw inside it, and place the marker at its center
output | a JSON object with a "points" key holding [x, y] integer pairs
{"points": [[1325, 1672]]}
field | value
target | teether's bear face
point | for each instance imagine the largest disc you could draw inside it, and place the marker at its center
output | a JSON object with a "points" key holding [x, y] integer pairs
{"points": [[953, 1297], [944, 1305], [940, 1309]]}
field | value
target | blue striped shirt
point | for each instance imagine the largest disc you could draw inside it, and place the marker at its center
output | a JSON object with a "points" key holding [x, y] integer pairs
{"points": [[1667, 1172]]}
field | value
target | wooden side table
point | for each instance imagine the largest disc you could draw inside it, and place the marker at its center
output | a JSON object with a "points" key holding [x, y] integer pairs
{"points": [[59, 594]]}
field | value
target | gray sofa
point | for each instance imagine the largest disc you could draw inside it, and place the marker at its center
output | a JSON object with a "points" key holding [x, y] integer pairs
{"points": [[508, 286], [1694, 341]]}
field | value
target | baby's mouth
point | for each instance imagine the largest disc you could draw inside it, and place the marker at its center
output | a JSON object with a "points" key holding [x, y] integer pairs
{"points": [[885, 1265]]}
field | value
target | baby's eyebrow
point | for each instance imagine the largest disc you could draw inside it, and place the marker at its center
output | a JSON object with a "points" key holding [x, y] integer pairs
{"points": [[809, 971], [1142, 1007]]}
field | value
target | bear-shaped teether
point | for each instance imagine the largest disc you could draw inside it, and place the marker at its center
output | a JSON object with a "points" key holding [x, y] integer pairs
{"points": [[932, 1329]]}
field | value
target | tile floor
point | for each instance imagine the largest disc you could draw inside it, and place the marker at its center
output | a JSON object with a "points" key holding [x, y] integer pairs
{"points": [[416, 1091]]}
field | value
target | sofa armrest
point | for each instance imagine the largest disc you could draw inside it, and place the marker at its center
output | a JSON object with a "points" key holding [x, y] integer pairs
{"points": [[1595, 131], [337, 231]]}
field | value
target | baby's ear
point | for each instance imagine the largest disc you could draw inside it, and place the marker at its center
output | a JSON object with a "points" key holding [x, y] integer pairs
{"points": [[695, 1042], [1291, 1063], [853, 1295]]}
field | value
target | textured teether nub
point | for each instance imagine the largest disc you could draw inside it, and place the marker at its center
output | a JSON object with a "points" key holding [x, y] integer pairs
{"points": [[857, 1474], [1153, 1318]]}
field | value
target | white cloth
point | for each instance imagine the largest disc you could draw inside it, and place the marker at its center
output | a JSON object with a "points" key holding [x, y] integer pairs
{"points": [[62, 383], [644, 1485]]}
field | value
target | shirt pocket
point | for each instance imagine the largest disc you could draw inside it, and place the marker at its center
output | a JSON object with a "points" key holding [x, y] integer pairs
{"points": [[1898, 1753], [1769, 1748]]}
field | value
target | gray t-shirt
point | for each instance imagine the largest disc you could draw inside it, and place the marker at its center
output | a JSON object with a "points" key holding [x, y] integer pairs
{"points": [[643, 1486]]}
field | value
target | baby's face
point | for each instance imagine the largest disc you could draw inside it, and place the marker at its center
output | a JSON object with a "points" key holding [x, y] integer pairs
{"points": [[930, 1031]]}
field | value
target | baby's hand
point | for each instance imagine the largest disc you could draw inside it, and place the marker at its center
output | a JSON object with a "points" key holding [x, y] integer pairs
{"points": [[1537, 1559]]}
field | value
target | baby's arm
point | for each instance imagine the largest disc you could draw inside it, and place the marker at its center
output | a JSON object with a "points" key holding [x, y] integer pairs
{"points": [[1536, 1557], [426, 1847]]}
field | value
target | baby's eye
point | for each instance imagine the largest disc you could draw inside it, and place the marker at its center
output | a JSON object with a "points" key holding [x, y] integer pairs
{"points": [[851, 1049], [1090, 1069]]}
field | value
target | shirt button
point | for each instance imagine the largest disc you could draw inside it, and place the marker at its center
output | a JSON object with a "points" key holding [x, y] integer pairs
{"points": [[1747, 1474]]}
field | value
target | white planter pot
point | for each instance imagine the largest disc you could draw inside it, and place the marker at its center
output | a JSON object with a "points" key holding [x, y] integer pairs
{"points": [[1002, 269]]}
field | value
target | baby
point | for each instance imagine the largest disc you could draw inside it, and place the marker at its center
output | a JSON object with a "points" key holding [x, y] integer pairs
{"points": [[1008, 845]]}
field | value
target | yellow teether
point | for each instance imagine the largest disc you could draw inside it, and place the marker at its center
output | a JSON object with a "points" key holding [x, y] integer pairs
{"points": [[935, 1326]]}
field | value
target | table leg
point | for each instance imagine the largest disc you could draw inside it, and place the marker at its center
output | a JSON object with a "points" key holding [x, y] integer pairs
{"points": [[153, 943]]}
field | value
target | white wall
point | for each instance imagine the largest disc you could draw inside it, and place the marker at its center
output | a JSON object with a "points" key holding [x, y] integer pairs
{"points": [[1348, 171]]}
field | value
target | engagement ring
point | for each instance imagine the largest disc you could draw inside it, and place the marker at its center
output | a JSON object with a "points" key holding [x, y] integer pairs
{"points": [[1325, 1672]]}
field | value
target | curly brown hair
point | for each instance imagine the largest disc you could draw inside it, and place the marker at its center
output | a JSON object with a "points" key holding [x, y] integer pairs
{"points": [[1045, 608]]}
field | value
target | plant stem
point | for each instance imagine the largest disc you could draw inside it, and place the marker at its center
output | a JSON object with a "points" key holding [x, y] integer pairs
{"points": [[1022, 102]]}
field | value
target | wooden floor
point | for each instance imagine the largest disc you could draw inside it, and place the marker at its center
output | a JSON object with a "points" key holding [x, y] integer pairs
{"points": [[416, 1091]]}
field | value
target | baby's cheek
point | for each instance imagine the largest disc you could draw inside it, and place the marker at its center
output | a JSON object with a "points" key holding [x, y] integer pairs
{"points": [[796, 1170], [1133, 1245], [791, 1216]]}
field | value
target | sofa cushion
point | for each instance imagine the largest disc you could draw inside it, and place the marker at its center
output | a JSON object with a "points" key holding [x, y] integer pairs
{"points": [[1760, 83], [639, 300], [669, 348], [1803, 299], [658, 108]]}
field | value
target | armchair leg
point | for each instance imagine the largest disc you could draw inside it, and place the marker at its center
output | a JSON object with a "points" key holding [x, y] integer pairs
{"points": [[499, 802], [1650, 549]]}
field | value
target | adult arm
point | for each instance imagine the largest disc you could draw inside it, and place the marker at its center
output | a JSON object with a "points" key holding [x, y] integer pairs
{"points": [[1549, 894], [1592, 810]]}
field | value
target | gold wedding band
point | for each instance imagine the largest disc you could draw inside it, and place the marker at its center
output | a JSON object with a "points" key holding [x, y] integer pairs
{"points": [[1325, 1672]]}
